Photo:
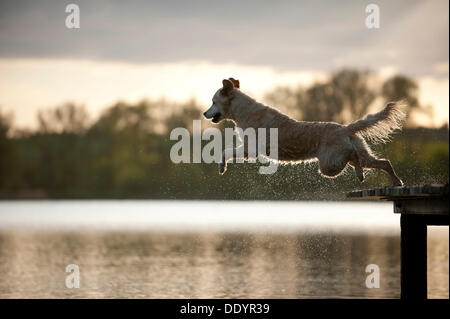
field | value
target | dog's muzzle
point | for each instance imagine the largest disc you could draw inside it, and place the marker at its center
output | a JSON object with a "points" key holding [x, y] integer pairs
{"points": [[214, 118]]}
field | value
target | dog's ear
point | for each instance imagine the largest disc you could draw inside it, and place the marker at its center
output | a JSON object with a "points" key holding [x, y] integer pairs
{"points": [[227, 86], [235, 83]]}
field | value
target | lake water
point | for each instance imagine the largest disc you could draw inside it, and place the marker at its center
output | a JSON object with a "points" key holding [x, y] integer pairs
{"points": [[189, 249]]}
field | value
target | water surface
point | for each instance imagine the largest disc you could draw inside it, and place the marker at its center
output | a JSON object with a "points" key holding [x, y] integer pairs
{"points": [[159, 249]]}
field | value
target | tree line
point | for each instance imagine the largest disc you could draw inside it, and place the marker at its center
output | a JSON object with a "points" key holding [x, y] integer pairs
{"points": [[125, 152]]}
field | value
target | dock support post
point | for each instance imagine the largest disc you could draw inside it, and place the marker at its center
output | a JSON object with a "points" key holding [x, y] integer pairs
{"points": [[420, 206], [413, 257]]}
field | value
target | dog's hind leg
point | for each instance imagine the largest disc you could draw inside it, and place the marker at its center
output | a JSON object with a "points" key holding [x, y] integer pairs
{"points": [[386, 166], [358, 170], [354, 161], [368, 160]]}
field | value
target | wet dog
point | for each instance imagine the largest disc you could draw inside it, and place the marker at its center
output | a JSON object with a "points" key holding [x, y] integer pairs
{"points": [[332, 144]]}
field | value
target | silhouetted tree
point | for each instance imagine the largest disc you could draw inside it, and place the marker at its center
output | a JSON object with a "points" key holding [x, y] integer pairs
{"points": [[345, 97], [8, 153], [183, 117], [351, 87], [123, 117], [67, 118], [322, 102], [400, 87], [286, 100]]}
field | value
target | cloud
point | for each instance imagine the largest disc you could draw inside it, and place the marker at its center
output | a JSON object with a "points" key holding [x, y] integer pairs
{"points": [[287, 35]]}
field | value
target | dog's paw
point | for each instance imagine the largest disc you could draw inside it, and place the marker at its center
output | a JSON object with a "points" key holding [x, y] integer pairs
{"points": [[222, 168], [399, 183]]}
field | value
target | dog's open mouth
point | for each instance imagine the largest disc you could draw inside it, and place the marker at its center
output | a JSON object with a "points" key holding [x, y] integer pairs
{"points": [[216, 118]]}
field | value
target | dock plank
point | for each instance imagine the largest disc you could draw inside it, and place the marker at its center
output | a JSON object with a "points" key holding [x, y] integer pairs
{"points": [[401, 192]]}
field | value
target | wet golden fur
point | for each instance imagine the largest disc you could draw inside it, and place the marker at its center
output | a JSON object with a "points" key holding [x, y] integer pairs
{"points": [[332, 144]]}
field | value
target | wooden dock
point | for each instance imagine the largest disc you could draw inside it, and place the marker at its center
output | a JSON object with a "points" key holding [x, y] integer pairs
{"points": [[419, 206]]}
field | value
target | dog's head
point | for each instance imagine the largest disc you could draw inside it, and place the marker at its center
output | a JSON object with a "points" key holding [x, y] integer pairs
{"points": [[220, 109]]}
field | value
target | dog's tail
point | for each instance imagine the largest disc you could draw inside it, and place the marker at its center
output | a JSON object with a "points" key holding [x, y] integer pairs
{"points": [[379, 126]]}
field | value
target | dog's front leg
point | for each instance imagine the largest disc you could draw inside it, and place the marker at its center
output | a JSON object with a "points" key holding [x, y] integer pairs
{"points": [[238, 153], [227, 155]]}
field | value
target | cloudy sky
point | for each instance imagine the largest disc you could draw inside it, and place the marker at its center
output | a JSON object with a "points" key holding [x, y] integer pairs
{"points": [[131, 50]]}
